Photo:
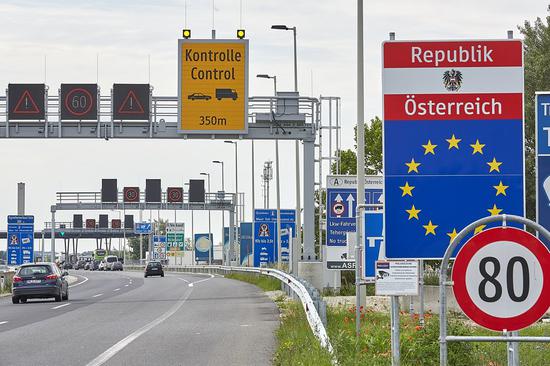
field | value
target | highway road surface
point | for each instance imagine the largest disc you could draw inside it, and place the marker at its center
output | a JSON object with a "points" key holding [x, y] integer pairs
{"points": [[121, 318]]}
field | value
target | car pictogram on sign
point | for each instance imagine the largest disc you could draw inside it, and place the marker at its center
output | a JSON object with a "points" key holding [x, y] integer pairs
{"points": [[198, 96]]}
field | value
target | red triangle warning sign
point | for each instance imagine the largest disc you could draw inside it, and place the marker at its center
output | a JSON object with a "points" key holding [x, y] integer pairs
{"points": [[131, 104], [26, 104]]}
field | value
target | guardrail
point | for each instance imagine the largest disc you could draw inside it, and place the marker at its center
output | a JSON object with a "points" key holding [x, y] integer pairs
{"points": [[313, 318]]}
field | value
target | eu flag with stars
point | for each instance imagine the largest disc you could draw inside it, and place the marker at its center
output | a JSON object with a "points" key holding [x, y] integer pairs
{"points": [[453, 144]]}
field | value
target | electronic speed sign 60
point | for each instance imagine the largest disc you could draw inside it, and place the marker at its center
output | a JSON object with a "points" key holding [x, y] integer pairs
{"points": [[78, 102], [501, 279]]}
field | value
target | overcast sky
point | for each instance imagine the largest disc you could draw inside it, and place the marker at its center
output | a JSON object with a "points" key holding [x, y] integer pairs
{"points": [[123, 33]]}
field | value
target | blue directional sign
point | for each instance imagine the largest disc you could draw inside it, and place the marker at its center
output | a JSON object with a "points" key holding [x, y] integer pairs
{"points": [[20, 239], [247, 239], [542, 111], [341, 215], [203, 246], [265, 235], [142, 228], [373, 225], [159, 247]]}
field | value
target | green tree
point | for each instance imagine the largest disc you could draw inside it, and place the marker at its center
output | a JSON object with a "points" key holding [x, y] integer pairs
{"points": [[537, 77], [373, 152]]}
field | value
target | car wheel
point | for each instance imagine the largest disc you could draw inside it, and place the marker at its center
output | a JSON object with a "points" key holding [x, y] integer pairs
{"points": [[66, 297], [23, 300], [145, 276], [58, 297], [162, 275], [15, 300]]}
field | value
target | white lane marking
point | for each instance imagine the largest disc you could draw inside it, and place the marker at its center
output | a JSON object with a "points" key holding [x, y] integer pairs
{"points": [[199, 281], [126, 285], [109, 353], [61, 306], [80, 283], [97, 295], [116, 289], [4, 322], [244, 325], [183, 279], [197, 333]]}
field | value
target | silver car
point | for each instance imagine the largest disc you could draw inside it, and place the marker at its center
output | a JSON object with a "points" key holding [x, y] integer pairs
{"points": [[116, 266]]}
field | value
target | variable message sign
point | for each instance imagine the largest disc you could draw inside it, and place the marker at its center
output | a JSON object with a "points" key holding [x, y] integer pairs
{"points": [[26, 101], [213, 86], [78, 102]]}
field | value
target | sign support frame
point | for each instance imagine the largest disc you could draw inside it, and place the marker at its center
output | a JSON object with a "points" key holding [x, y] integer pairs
{"points": [[510, 337]]}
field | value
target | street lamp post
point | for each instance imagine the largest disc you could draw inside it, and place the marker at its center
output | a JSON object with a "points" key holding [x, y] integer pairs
{"points": [[237, 195], [223, 213], [297, 143], [209, 221], [274, 77]]}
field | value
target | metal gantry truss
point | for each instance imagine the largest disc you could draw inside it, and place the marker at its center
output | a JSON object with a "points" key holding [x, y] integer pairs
{"points": [[270, 118]]}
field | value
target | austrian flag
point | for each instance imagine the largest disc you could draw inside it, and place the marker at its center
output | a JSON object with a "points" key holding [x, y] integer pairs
{"points": [[453, 140]]}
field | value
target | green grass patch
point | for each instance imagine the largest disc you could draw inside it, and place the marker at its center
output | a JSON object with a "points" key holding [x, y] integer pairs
{"points": [[7, 286], [297, 344], [419, 345], [264, 282]]}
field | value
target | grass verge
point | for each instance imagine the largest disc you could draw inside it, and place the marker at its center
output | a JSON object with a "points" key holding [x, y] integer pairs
{"points": [[6, 289], [264, 282]]}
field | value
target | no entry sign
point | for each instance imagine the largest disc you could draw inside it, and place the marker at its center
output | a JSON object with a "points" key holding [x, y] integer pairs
{"points": [[502, 279]]}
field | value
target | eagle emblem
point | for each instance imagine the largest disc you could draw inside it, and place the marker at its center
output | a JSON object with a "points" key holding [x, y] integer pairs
{"points": [[452, 80]]}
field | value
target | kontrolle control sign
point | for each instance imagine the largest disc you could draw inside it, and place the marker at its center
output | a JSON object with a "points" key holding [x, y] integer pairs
{"points": [[453, 140], [213, 86]]}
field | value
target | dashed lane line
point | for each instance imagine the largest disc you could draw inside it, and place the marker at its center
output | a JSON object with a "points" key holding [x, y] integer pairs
{"points": [[61, 306]]}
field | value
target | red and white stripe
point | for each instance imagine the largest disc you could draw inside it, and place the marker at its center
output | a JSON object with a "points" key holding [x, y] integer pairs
{"points": [[491, 87]]}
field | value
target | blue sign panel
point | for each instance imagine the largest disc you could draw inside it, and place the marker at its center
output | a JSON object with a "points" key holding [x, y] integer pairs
{"points": [[203, 246], [20, 239], [265, 235], [142, 228], [247, 239], [453, 142], [373, 225], [543, 159], [341, 220]]}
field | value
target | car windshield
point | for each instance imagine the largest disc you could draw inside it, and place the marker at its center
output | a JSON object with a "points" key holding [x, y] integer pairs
{"points": [[111, 259], [154, 264], [34, 270]]}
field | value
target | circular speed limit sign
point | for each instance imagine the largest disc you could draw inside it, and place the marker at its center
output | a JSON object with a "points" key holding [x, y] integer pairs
{"points": [[501, 279]]}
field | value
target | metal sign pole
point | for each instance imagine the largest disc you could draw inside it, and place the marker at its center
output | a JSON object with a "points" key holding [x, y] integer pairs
{"points": [[421, 292], [395, 344]]}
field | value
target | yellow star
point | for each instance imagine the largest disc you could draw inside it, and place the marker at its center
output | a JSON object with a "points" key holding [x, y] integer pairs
{"points": [[452, 235], [413, 212], [494, 165], [429, 148], [430, 228], [407, 189], [453, 142], [477, 147], [413, 166], [501, 188], [479, 229], [494, 211]]}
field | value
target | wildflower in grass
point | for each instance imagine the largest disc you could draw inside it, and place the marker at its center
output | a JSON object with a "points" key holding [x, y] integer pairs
{"points": [[418, 327]]}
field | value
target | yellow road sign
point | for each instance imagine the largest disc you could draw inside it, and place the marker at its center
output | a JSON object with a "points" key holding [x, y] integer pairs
{"points": [[213, 86]]}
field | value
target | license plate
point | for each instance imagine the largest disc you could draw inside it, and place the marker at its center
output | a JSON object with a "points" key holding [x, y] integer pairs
{"points": [[34, 281]]}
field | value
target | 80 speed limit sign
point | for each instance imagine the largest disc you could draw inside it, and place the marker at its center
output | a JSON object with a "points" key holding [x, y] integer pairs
{"points": [[501, 279]]}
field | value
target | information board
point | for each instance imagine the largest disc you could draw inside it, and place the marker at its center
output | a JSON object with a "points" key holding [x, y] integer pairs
{"points": [[341, 216], [20, 237], [213, 86], [265, 235]]}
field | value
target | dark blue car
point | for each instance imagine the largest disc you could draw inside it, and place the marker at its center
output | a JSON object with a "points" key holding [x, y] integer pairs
{"points": [[39, 281]]}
